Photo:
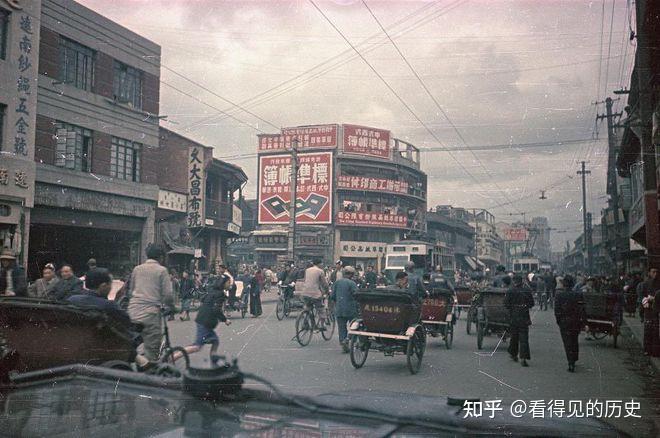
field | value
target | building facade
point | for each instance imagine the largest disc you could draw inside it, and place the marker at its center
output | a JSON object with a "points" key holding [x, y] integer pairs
{"points": [[97, 116], [448, 225], [358, 189], [488, 244], [19, 57]]}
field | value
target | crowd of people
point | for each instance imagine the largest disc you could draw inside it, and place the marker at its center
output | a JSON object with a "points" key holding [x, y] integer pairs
{"points": [[141, 296]]}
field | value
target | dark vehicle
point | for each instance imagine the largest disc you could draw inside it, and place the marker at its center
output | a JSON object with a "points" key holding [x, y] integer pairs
{"points": [[389, 322], [92, 401], [438, 315], [492, 317], [604, 315]]}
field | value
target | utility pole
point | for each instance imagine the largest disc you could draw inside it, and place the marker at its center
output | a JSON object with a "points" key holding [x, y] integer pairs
{"points": [[612, 189], [585, 239], [645, 102], [476, 236], [291, 244]]}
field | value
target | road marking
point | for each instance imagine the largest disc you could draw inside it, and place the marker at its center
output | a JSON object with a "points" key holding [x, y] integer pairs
{"points": [[255, 332], [501, 382]]}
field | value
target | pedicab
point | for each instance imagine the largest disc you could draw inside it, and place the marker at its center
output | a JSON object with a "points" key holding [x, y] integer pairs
{"points": [[491, 315], [389, 322], [464, 296], [438, 316], [37, 334], [604, 314], [290, 299]]}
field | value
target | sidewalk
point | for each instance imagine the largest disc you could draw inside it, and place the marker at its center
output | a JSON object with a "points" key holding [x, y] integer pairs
{"points": [[637, 330]]}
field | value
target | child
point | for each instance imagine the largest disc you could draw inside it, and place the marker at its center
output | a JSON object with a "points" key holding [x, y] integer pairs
{"points": [[209, 314]]}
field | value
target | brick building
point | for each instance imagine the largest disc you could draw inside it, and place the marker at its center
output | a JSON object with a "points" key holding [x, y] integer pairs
{"points": [[97, 118]]}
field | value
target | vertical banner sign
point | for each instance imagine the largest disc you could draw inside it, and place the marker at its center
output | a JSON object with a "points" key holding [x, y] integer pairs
{"points": [[314, 188], [362, 140], [195, 187]]}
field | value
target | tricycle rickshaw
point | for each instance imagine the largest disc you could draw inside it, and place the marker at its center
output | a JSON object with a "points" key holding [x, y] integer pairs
{"points": [[389, 322], [438, 314], [491, 315], [290, 299], [604, 313], [464, 296]]}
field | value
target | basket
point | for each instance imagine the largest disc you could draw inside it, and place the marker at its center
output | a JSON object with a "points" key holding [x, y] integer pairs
{"points": [[387, 310]]}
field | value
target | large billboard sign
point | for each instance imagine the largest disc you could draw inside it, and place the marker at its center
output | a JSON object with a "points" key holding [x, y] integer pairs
{"points": [[309, 137], [362, 140], [515, 234], [314, 188]]}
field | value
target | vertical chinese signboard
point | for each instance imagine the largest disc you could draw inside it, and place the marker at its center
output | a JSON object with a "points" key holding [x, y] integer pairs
{"points": [[314, 188], [196, 188], [362, 140]]}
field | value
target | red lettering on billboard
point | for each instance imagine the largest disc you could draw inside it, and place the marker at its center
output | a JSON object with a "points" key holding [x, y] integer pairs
{"points": [[362, 140]]}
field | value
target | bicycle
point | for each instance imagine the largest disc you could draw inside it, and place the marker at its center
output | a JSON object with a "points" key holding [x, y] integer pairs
{"points": [[306, 323], [542, 298]]}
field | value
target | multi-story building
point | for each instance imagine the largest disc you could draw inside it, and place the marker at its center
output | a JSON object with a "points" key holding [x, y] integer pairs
{"points": [[358, 190], [448, 225], [198, 207], [540, 235], [515, 241], [19, 57], [488, 242], [97, 114]]}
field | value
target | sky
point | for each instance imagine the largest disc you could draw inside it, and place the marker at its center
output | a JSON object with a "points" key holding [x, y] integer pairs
{"points": [[497, 73]]}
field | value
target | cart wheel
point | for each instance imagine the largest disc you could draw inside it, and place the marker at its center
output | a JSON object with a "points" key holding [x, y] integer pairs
{"points": [[330, 324], [304, 327], [279, 310], [449, 336], [359, 347], [480, 334], [415, 351]]}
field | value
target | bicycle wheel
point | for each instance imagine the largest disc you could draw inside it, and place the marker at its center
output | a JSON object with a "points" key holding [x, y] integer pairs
{"points": [[304, 327], [168, 367], [330, 323], [280, 310], [359, 348]]}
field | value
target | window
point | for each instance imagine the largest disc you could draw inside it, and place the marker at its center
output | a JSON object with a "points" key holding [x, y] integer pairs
{"points": [[128, 85], [74, 147], [76, 64], [3, 108], [125, 159], [4, 30]]}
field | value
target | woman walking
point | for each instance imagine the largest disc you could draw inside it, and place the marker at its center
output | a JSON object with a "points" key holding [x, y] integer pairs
{"points": [[256, 282]]}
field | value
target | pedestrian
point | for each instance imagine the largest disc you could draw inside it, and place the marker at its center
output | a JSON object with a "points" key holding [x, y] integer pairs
{"points": [[220, 271], [186, 288], [343, 295], [370, 278], [67, 286], [336, 273], [12, 275], [209, 315], [91, 264], [651, 319], [255, 294], [571, 318], [42, 286], [415, 284], [314, 289], [151, 291], [518, 301], [98, 283]]}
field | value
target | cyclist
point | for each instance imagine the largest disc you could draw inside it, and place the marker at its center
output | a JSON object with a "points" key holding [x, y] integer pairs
{"points": [[315, 289]]}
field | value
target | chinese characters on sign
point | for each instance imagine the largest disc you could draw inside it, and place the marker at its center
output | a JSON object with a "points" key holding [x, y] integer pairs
{"points": [[20, 178], [375, 184], [22, 110], [309, 137], [195, 187], [366, 141], [517, 234], [372, 219], [314, 189], [362, 249]]}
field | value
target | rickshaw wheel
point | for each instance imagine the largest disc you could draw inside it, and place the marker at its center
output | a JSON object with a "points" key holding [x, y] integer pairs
{"points": [[449, 336], [480, 334], [304, 327], [330, 327], [415, 351], [359, 351], [279, 310]]}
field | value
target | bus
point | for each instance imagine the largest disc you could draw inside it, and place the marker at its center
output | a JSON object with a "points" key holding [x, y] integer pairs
{"points": [[424, 255]]}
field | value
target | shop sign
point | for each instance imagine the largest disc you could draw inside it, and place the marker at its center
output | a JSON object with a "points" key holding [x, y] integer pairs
{"points": [[195, 186], [362, 140], [233, 228], [172, 201], [372, 219], [371, 184], [313, 192], [309, 137], [17, 178], [362, 249], [515, 234]]}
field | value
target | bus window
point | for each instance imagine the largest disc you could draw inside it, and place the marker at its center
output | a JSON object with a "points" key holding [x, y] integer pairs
{"points": [[516, 267], [525, 267], [397, 261], [419, 261], [398, 248], [535, 267]]}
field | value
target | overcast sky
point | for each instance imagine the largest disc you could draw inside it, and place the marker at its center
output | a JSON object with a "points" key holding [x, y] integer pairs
{"points": [[504, 72]]}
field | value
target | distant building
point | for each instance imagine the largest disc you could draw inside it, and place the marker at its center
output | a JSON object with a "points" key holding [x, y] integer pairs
{"points": [[488, 242], [449, 225]]}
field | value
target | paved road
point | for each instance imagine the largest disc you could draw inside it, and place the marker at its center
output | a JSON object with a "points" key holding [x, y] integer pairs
{"points": [[265, 346]]}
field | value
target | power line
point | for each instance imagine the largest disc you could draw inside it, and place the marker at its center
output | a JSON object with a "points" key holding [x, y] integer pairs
{"points": [[609, 48]]}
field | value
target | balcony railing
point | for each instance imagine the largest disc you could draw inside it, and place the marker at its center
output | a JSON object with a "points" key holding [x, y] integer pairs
{"points": [[218, 210]]}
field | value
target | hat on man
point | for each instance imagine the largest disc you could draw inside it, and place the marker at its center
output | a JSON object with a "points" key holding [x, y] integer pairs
{"points": [[7, 254]]}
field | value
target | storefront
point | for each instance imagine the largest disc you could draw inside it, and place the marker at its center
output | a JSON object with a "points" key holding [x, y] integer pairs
{"points": [[363, 254]]}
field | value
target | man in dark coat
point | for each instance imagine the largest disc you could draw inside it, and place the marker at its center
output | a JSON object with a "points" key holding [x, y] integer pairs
{"points": [[370, 277], [68, 285], [12, 276], [650, 308], [571, 318], [343, 294], [518, 301]]}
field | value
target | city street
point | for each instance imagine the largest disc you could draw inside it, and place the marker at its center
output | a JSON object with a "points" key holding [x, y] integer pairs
{"points": [[265, 346]]}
